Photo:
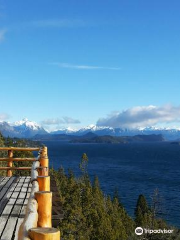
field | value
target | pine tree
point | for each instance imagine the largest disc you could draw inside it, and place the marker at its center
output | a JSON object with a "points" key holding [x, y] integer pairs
{"points": [[142, 212]]}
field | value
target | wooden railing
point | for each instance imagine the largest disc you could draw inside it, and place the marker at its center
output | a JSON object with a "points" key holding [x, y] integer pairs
{"points": [[10, 159], [37, 224]]}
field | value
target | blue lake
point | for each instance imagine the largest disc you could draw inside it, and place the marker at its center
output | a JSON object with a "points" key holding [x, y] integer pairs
{"points": [[132, 169]]}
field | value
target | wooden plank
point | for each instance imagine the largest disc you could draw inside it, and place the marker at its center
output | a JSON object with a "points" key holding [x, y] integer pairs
{"points": [[8, 200], [13, 205], [8, 184], [3, 222], [18, 149], [1, 179], [15, 168], [9, 203], [6, 187], [23, 210], [18, 159], [13, 208], [20, 220], [5, 180], [9, 229], [13, 218], [10, 196]]}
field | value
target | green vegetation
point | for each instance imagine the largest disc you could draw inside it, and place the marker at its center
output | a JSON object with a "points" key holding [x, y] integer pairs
{"points": [[91, 215], [88, 214], [114, 139], [15, 142]]}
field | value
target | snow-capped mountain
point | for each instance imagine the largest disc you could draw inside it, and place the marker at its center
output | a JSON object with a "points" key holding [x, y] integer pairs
{"points": [[21, 129], [27, 129], [25, 123], [168, 134], [69, 131]]}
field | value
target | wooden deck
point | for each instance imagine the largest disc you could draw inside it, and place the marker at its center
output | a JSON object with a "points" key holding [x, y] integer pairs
{"points": [[14, 194]]}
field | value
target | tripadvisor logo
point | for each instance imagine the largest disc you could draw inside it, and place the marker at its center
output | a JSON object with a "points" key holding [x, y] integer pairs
{"points": [[140, 230]]}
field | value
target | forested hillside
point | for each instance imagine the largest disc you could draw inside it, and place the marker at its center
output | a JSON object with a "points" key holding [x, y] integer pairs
{"points": [[89, 214]]}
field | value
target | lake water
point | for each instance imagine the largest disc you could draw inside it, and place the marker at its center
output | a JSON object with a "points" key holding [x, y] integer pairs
{"points": [[133, 169]]}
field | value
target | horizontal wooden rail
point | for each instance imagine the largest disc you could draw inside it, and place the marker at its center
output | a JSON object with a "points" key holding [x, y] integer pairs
{"points": [[15, 168], [18, 159], [18, 149]]}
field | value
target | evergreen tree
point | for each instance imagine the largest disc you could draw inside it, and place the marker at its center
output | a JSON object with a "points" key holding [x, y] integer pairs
{"points": [[83, 164], [88, 213], [142, 212]]}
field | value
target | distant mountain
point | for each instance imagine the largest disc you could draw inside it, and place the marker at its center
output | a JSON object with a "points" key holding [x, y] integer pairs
{"points": [[8, 130], [111, 139], [93, 138], [168, 134], [29, 129], [62, 137], [21, 129], [65, 131]]}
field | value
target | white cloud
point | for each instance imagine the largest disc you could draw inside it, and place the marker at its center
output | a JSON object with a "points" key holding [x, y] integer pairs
{"points": [[2, 34], [52, 121], [70, 120], [142, 116], [4, 116], [58, 121], [83, 67]]}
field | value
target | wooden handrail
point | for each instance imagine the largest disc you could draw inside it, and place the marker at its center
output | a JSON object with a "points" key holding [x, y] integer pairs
{"points": [[18, 159], [19, 149], [15, 168], [10, 158]]}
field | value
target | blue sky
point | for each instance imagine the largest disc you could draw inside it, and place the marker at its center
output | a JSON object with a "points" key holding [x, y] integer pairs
{"points": [[74, 63]]}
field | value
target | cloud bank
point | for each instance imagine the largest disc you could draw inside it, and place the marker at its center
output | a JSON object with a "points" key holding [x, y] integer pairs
{"points": [[58, 121], [141, 116], [83, 67]]}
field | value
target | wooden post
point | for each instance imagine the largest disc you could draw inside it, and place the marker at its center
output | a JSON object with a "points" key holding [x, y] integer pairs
{"points": [[44, 234], [43, 171], [10, 163], [44, 161], [44, 200], [43, 152], [44, 183]]}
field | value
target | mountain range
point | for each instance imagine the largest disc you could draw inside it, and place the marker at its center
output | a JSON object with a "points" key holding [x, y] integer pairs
{"points": [[29, 129], [21, 129]]}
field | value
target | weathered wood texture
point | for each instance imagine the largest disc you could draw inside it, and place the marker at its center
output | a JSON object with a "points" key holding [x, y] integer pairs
{"points": [[18, 149], [14, 194], [18, 159]]}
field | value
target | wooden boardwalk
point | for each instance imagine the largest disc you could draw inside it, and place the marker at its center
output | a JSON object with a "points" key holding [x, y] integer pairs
{"points": [[14, 194], [30, 218]]}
